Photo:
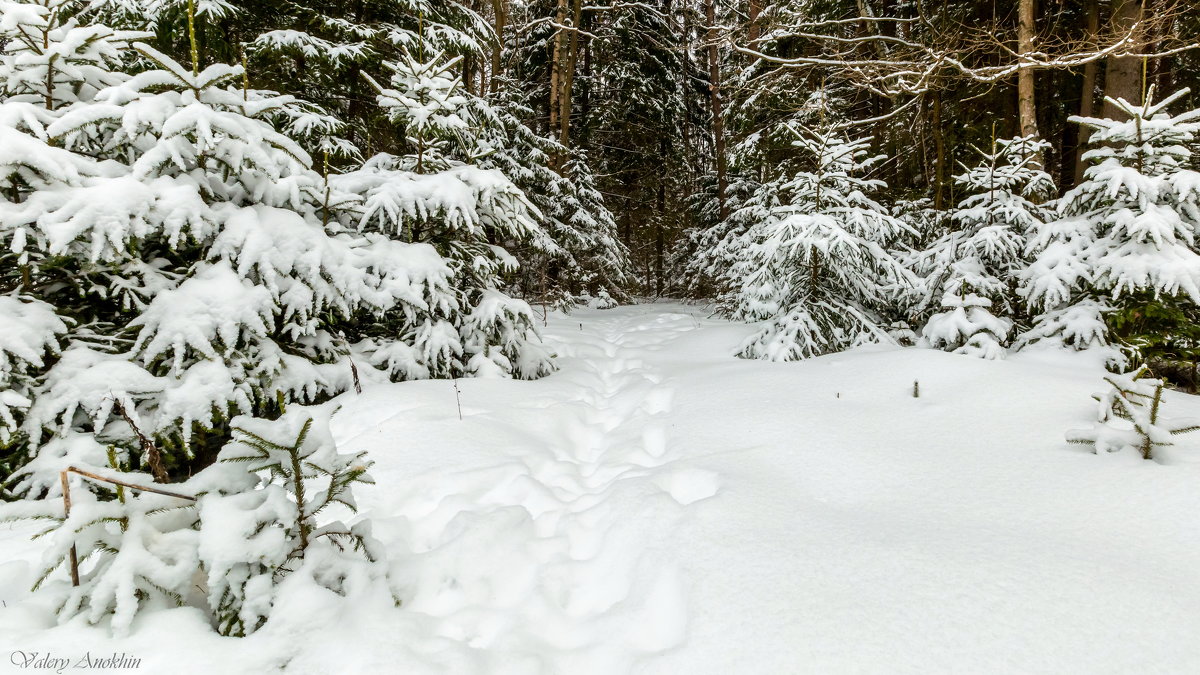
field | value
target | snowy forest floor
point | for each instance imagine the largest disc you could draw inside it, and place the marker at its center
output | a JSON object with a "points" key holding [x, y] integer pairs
{"points": [[658, 506]]}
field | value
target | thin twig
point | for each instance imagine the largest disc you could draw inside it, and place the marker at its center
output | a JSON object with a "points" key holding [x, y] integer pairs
{"points": [[458, 397], [66, 490], [131, 486], [153, 455], [354, 374]]}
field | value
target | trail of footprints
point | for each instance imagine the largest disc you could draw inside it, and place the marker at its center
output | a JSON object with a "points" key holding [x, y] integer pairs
{"points": [[626, 413], [616, 508], [603, 491]]}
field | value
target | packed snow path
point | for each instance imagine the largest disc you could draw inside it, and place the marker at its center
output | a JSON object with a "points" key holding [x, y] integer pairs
{"points": [[570, 515], [657, 506]]}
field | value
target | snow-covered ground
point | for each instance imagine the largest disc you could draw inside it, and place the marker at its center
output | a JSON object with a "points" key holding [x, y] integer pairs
{"points": [[660, 507]]}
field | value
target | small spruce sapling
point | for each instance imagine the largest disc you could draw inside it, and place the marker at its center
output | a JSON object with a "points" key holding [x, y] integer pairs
{"points": [[967, 326], [813, 263], [137, 551], [252, 538], [1137, 400], [976, 264], [251, 533]]}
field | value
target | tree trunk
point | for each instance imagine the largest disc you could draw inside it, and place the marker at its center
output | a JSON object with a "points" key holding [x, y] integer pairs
{"points": [[692, 152], [468, 74], [627, 213], [1123, 74], [1160, 69], [939, 144], [585, 89], [718, 122], [560, 17], [1087, 97], [1026, 102], [49, 101], [500, 9], [754, 32], [568, 78], [660, 238]]}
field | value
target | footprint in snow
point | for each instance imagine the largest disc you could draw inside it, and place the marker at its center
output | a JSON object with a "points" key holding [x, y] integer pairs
{"points": [[658, 401], [687, 486]]}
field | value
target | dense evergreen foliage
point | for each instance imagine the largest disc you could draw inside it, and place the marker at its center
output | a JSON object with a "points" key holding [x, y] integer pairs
{"points": [[217, 216]]}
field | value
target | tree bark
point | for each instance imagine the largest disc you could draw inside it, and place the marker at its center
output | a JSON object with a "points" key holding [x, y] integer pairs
{"points": [[1123, 74], [754, 31], [1026, 83], [568, 79], [560, 17], [1087, 96], [468, 74], [659, 235], [500, 9], [1160, 69], [939, 144], [585, 89], [718, 122]]}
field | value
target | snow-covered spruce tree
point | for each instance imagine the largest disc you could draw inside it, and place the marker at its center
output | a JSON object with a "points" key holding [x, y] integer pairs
{"points": [[762, 130], [258, 529], [580, 255], [966, 325], [31, 334], [195, 258], [814, 264], [426, 103], [1119, 264], [134, 550], [430, 195], [915, 304], [223, 31], [594, 261], [575, 249], [246, 527], [1130, 416], [975, 266], [319, 51], [49, 65], [700, 249]]}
